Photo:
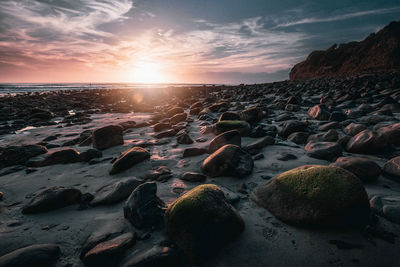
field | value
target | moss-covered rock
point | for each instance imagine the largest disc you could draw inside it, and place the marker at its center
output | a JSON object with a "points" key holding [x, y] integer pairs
{"points": [[315, 195], [242, 126], [201, 222]]}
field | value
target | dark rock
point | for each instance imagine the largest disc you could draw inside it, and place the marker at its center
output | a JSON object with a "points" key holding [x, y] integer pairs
{"points": [[337, 116], [63, 156], [316, 195], [319, 112], [113, 193], [298, 137], [19, 155], [42, 255], [232, 137], [109, 252], [329, 136], [173, 111], [229, 116], [229, 160], [251, 115], [52, 198], [161, 127], [184, 139], [129, 158], [353, 129], [90, 154], [193, 177], [367, 142], [392, 133], [201, 222], [107, 136], [365, 169], [242, 126], [324, 150], [292, 126], [286, 157], [178, 118], [167, 133], [263, 142], [143, 208], [161, 174]]}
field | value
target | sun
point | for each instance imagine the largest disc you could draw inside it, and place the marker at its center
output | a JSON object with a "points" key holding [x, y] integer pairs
{"points": [[148, 72]]}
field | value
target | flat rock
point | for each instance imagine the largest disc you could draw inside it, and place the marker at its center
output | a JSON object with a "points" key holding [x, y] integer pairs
{"points": [[52, 198], [41, 255], [324, 150], [113, 193], [107, 137]]}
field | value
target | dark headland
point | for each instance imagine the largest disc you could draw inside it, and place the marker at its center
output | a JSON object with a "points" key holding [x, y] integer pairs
{"points": [[303, 172]]}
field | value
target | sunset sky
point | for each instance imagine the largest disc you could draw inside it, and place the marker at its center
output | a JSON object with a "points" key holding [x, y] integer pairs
{"points": [[186, 41]]}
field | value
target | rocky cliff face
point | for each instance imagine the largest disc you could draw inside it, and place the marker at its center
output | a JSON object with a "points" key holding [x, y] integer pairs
{"points": [[378, 52]]}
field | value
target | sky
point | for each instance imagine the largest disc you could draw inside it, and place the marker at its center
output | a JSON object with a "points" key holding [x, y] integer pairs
{"points": [[175, 41]]}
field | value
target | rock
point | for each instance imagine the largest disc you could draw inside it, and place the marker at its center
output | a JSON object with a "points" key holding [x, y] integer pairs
{"points": [[392, 213], [292, 126], [107, 137], [392, 168], [251, 115], [263, 142], [354, 128], [1, 195], [367, 142], [90, 154], [63, 156], [109, 252], [242, 126], [167, 133], [52, 198], [127, 125], [193, 177], [365, 169], [173, 111], [329, 136], [201, 222], [298, 137], [319, 112], [314, 195], [229, 116], [262, 130], [42, 255], [230, 137], [161, 174], [337, 116], [156, 256], [143, 208], [19, 155], [229, 160], [323, 150], [184, 139], [129, 158], [161, 127], [113, 193], [286, 156], [178, 118], [194, 151], [329, 125], [392, 133]]}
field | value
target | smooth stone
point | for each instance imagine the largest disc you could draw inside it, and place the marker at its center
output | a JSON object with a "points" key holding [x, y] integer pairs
{"points": [[365, 169], [232, 137], [193, 177], [292, 126], [128, 159], [324, 150], [392, 168], [19, 155], [41, 255], [107, 137], [261, 143], [194, 151], [367, 142]]}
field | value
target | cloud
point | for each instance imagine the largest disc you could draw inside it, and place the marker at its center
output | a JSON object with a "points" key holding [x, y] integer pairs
{"points": [[339, 17]]}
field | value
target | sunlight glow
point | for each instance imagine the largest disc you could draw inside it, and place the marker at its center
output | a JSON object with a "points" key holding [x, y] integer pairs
{"points": [[148, 72]]}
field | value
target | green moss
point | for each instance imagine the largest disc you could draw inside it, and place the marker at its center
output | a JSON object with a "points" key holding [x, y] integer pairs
{"points": [[319, 184], [191, 200]]}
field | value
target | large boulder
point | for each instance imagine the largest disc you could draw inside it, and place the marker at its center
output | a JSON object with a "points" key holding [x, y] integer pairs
{"points": [[129, 158], [365, 169], [107, 136], [52, 198], [367, 142], [232, 137], [113, 193], [42, 255], [143, 208], [314, 195], [201, 222], [229, 160]]}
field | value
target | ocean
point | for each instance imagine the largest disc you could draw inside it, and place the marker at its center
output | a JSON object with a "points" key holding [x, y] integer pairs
{"points": [[13, 88]]}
